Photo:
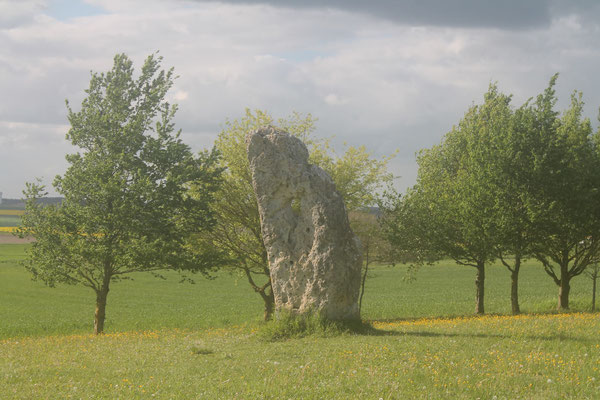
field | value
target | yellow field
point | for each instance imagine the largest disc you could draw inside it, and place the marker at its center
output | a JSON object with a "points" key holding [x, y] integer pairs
{"points": [[12, 212], [8, 228]]}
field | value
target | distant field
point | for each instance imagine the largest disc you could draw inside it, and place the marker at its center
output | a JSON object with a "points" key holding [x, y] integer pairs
{"points": [[12, 212], [170, 340], [9, 219]]}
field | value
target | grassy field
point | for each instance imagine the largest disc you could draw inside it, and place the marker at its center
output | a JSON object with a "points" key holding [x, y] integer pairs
{"points": [[171, 340], [30, 308]]}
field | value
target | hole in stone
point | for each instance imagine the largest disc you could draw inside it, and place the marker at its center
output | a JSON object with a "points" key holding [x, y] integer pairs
{"points": [[307, 230], [296, 204]]}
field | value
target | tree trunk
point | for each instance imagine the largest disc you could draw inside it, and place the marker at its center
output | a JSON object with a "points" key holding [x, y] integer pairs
{"points": [[563, 292], [594, 278], [480, 283], [364, 279], [100, 313], [514, 293], [266, 293], [362, 288], [269, 300], [514, 287]]}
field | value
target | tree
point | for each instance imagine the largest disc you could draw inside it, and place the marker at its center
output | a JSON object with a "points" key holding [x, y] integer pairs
{"points": [[563, 197], [451, 211], [505, 185], [507, 163], [356, 174], [375, 248], [126, 206], [593, 272]]}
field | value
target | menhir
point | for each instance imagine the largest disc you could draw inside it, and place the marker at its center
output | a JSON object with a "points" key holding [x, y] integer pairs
{"points": [[314, 257]]}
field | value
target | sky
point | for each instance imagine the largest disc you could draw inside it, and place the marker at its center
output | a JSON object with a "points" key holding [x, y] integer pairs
{"points": [[388, 74]]}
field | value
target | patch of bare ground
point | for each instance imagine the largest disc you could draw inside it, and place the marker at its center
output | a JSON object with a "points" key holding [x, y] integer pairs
{"points": [[9, 238]]}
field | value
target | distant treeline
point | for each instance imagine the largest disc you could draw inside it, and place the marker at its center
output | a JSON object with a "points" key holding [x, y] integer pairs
{"points": [[19, 204]]}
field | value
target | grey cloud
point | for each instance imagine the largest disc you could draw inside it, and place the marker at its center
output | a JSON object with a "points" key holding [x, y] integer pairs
{"points": [[31, 151], [18, 12], [503, 14], [38, 92]]}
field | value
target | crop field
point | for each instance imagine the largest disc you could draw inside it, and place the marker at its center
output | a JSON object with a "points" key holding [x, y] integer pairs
{"points": [[12, 212], [166, 339], [9, 219]]}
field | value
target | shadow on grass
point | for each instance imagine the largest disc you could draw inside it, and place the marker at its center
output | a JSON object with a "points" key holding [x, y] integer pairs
{"points": [[558, 337], [372, 331], [474, 317], [289, 326]]}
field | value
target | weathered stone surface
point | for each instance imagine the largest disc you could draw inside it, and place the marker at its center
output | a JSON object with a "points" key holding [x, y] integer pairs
{"points": [[314, 258]]}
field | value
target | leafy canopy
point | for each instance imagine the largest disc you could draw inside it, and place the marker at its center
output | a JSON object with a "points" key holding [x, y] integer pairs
{"points": [[126, 205]]}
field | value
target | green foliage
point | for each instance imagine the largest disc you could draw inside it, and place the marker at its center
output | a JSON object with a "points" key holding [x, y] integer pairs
{"points": [[357, 175], [451, 210], [562, 196], [453, 184], [126, 206]]}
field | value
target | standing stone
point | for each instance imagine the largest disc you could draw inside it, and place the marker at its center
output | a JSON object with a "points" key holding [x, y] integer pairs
{"points": [[314, 257]]}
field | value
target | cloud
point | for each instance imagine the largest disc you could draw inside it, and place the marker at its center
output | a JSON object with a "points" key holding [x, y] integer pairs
{"points": [[368, 79], [180, 95], [506, 14], [334, 99], [18, 12], [30, 151]]}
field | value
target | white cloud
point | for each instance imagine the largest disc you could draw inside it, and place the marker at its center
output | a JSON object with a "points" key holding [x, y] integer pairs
{"points": [[180, 96]]}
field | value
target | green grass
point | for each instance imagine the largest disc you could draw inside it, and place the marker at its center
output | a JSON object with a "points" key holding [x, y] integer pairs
{"points": [[547, 357], [30, 308], [287, 326], [447, 289], [170, 340]]}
